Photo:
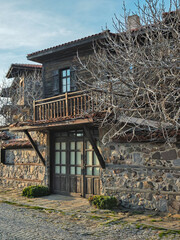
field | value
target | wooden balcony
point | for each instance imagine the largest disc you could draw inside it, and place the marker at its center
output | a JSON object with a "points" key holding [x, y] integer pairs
{"points": [[67, 106]]}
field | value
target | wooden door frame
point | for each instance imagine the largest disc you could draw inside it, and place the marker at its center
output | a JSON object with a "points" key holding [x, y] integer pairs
{"points": [[68, 139]]}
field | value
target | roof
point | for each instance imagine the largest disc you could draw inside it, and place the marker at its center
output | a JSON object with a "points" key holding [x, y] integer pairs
{"points": [[16, 67], [67, 45], [16, 143]]}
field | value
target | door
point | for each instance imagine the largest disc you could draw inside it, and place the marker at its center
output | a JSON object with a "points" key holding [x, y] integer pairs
{"points": [[75, 165]]}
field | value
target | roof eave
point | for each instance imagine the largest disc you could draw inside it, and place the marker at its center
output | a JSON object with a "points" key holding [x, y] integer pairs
{"points": [[37, 56]]}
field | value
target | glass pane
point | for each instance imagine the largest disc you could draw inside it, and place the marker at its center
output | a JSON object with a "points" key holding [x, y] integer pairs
{"points": [[78, 158], [63, 145], [64, 81], [64, 89], [96, 171], [72, 161], [89, 170], [68, 81], [89, 157], [72, 146], [57, 169], [64, 73], [68, 72], [79, 134], [78, 170], [57, 158], [72, 170], [96, 162], [68, 88], [63, 169], [79, 145], [89, 146], [57, 146], [63, 157]]}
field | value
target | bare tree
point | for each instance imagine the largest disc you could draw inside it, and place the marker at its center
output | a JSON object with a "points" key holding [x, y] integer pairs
{"points": [[17, 95], [136, 69]]}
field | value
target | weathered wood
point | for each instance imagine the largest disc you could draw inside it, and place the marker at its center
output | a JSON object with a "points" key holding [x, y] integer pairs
{"points": [[93, 143], [67, 105], [66, 97], [34, 112], [34, 146]]}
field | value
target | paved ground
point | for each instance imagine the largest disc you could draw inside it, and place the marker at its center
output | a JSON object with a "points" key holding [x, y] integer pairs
{"points": [[71, 218]]}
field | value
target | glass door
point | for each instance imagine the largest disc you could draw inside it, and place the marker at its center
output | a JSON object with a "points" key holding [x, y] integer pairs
{"points": [[75, 165]]}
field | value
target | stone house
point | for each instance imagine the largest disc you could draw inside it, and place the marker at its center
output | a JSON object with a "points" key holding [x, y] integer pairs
{"points": [[61, 147], [25, 86]]}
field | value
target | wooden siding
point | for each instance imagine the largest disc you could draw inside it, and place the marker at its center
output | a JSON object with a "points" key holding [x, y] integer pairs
{"points": [[68, 60]]}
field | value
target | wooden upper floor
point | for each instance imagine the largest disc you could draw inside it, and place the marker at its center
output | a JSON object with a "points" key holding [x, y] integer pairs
{"points": [[63, 95]]}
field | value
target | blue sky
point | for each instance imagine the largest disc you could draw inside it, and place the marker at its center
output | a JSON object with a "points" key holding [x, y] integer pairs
{"points": [[31, 25]]}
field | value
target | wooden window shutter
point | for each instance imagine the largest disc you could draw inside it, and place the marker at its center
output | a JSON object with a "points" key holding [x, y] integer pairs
{"points": [[73, 79], [3, 155], [55, 78]]}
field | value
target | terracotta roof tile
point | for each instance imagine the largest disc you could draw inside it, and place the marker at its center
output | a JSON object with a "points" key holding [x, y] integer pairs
{"points": [[26, 65], [15, 143], [67, 43]]}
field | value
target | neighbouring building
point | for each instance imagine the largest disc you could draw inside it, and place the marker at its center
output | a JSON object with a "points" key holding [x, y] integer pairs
{"points": [[61, 147]]}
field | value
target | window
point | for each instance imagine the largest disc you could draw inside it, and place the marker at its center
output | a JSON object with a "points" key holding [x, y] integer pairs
{"points": [[65, 80]]}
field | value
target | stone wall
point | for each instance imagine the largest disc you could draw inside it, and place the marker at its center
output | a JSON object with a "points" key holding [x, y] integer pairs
{"points": [[22, 167], [143, 175]]}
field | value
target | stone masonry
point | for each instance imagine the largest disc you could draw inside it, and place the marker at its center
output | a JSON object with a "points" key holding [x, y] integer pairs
{"points": [[22, 167], [143, 175]]}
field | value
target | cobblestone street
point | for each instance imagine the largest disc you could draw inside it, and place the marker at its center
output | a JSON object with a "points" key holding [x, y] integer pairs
{"points": [[22, 223]]}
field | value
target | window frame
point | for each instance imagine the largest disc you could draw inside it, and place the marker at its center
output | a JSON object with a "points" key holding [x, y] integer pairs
{"points": [[65, 79]]}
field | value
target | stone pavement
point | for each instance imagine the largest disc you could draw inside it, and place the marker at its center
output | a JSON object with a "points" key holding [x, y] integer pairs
{"points": [[55, 201], [62, 217]]}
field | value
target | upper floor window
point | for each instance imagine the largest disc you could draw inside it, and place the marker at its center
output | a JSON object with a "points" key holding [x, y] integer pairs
{"points": [[65, 80]]}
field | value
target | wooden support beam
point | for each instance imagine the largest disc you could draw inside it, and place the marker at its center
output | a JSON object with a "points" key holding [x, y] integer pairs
{"points": [[34, 146], [93, 143]]}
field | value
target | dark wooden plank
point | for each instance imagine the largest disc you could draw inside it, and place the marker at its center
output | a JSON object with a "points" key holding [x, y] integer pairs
{"points": [[34, 111], [78, 183], [89, 185], [93, 143], [96, 186], [67, 111], [73, 186], [34, 146], [63, 183]]}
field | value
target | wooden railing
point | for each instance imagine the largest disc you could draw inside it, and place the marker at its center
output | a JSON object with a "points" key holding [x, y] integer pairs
{"points": [[68, 105]]}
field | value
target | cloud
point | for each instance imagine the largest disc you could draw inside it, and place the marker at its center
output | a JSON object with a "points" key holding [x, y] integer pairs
{"points": [[28, 28]]}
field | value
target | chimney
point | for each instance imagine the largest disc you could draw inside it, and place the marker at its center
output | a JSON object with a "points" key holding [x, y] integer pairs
{"points": [[133, 22]]}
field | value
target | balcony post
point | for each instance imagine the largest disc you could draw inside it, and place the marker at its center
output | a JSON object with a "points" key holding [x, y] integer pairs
{"points": [[34, 111], [66, 99]]}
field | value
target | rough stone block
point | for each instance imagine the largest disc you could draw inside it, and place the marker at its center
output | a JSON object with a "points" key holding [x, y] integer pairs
{"points": [[156, 155], [148, 184], [169, 155], [176, 162], [137, 158]]}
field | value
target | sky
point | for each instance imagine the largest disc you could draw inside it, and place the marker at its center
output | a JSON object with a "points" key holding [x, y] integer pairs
{"points": [[27, 26]]}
